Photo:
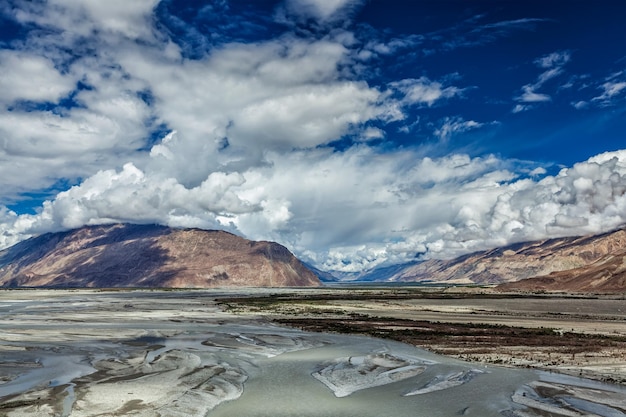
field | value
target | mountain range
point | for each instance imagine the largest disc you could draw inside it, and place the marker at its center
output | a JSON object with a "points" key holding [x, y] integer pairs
{"points": [[583, 263], [124, 255]]}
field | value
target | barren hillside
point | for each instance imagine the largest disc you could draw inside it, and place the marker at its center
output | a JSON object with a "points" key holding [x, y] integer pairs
{"points": [[124, 255]]}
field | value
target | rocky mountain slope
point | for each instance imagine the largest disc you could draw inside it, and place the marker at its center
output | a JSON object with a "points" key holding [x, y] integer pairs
{"points": [[587, 256], [608, 274], [125, 255]]}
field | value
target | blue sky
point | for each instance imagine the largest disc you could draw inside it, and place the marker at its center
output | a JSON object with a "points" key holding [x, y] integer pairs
{"points": [[357, 133]]}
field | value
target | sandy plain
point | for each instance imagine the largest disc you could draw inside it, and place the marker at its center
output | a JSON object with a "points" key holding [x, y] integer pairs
{"points": [[221, 353]]}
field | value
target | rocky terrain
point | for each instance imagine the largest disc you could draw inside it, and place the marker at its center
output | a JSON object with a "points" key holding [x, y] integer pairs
{"points": [[576, 263], [125, 255], [608, 274]]}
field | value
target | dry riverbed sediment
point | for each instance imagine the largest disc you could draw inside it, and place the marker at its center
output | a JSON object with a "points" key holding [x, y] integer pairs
{"points": [[572, 334], [179, 353]]}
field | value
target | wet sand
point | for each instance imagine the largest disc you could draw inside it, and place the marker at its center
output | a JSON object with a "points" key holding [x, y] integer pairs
{"points": [[576, 335], [178, 353]]}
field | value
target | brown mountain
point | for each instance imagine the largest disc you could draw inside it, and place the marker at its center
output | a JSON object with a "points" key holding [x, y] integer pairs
{"points": [[124, 255], [585, 257], [608, 274]]}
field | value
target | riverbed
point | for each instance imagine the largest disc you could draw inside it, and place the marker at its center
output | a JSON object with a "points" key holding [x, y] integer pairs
{"points": [[177, 353]]}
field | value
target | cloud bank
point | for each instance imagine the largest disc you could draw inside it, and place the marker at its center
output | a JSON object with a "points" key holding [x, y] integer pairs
{"points": [[244, 138], [358, 209]]}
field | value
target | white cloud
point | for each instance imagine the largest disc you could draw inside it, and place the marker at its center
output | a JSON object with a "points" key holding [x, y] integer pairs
{"points": [[80, 18], [111, 121], [553, 64], [27, 76], [612, 87], [244, 132], [530, 96], [48, 135], [227, 108], [555, 59], [280, 94], [547, 75], [73, 58], [322, 10], [305, 117], [610, 91], [521, 107], [356, 209], [537, 172], [372, 133], [424, 91], [452, 125]]}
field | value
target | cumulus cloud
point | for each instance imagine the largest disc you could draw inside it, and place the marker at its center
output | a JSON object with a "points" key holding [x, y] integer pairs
{"points": [[240, 137], [227, 107], [30, 77], [67, 95], [359, 209], [108, 119], [245, 100], [80, 18], [536, 172]]}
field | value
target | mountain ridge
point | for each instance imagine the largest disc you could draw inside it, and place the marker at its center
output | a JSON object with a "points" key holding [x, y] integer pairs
{"points": [[558, 260], [127, 255]]}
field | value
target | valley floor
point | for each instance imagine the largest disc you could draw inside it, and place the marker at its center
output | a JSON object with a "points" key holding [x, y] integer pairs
{"points": [[571, 334], [241, 352]]}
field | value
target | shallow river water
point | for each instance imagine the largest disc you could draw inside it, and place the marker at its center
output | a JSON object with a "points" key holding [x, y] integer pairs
{"points": [[283, 386]]}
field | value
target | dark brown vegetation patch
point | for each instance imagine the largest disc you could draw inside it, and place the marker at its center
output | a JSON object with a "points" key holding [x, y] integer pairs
{"points": [[473, 337]]}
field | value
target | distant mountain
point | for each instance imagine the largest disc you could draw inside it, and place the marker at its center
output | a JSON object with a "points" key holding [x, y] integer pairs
{"points": [[608, 274], [385, 273], [322, 275], [563, 257], [124, 255]]}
